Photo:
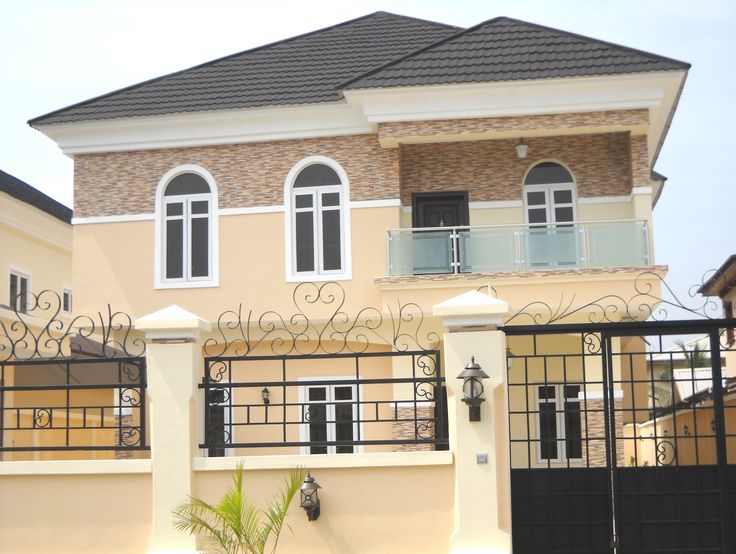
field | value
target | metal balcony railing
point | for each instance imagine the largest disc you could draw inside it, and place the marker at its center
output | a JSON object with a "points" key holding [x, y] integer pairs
{"points": [[504, 248]]}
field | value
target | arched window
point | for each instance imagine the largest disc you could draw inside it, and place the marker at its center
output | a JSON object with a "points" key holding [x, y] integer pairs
{"points": [[318, 228], [549, 194], [186, 230]]}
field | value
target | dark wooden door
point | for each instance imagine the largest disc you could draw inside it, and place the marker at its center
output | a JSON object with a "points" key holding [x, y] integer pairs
{"points": [[443, 209]]}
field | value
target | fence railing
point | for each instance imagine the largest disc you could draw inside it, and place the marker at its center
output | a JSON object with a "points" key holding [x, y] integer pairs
{"points": [[503, 248], [67, 405], [324, 404]]}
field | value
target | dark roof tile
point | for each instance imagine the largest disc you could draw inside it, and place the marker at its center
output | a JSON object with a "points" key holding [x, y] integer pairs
{"points": [[26, 193]]}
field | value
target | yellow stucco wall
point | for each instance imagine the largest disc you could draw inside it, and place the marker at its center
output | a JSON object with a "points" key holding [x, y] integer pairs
{"points": [[74, 514]]}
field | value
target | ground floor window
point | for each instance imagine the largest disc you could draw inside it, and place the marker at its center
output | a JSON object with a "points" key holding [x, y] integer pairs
{"points": [[330, 414], [19, 291], [558, 421]]}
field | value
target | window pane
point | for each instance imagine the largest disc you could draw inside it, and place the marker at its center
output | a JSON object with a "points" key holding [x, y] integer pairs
{"points": [[187, 183], [23, 294], [316, 175], [563, 214], [538, 216], [563, 196], [304, 241], [13, 290], [200, 247], [317, 417], [317, 394], [548, 173], [67, 302], [199, 207], [536, 198], [548, 431], [547, 392], [331, 199], [573, 432], [344, 427], [176, 208], [343, 393], [303, 201], [175, 249], [331, 240], [572, 391]]}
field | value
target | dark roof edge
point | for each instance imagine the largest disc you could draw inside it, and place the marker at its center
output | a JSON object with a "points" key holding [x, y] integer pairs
{"points": [[706, 289], [38, 119], [684, 65], [24, 192]]}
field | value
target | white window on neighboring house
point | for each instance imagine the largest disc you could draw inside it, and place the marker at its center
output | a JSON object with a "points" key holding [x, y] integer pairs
{"points": [[329, 414], [317, 220], [19, 291], [558, 423], [66, 300], [186, 235]]}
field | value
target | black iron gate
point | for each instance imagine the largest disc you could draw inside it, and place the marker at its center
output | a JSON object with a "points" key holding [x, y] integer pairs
{"points": [[622, 438]]}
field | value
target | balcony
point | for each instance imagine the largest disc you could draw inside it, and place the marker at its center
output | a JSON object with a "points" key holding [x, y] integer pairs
{"points": [[515, 248]]}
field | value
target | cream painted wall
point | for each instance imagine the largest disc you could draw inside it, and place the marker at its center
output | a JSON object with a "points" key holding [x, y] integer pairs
{"points": [[35, 243], [75, 514], [364, 510]]}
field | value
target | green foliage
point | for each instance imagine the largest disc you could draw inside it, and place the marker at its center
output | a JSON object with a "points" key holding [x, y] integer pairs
{"points": [[234, 525], [695, 356]]}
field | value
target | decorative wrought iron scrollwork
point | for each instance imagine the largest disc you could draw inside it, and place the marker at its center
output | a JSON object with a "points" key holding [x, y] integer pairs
{"points": [[592, 343], [239, 332], [130, 436], [651, 299], [129, 397], [666, 452], [425, 430], [43, 332], [42, 418], [424, 391]]}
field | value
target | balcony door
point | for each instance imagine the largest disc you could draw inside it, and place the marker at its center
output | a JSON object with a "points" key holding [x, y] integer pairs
{"points": [[550, 210], [433, 250]]}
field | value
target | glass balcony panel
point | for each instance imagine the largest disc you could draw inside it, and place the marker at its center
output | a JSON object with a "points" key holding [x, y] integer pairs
{"points": [[617, 244], [415, 252], [487, 250], [551, 247]]}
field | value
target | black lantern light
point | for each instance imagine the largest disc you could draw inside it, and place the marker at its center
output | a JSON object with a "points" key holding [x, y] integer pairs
{"points": [[266, 396], [310, 497], [473, 377]]}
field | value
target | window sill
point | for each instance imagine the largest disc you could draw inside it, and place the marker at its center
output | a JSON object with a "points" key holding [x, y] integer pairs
{"points": [[187, 285], [314, 461], [319, 278]]}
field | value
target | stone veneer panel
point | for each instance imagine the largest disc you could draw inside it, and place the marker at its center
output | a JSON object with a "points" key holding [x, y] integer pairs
{"points": [[247, 175], [491, 170], [618, 118]]}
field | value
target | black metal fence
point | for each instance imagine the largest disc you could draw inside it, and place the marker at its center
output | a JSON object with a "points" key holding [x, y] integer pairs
{"points": [[622, 439], [72, 404], [324, 403]]}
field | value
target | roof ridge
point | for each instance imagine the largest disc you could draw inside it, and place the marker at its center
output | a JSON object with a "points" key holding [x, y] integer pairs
{"points": [[518, 21], [412, 54], [599, 41], [220, 59]]}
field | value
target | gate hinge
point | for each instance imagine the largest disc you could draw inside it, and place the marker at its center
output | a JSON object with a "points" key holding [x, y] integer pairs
{"points": [[614, 542]]}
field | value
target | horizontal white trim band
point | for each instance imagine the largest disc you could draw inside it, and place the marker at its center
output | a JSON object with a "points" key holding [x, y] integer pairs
{"points": [[386, 203], [492, 204], [252, 210], [113, 219], [604, 200], [313, 461], [641, 190], [74, 467]]}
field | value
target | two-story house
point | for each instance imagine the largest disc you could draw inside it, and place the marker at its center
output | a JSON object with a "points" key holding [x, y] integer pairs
{"points": [[313, 199]]}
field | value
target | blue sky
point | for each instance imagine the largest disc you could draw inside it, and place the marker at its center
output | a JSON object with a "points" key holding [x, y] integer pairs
{"points": [[56, 53]]}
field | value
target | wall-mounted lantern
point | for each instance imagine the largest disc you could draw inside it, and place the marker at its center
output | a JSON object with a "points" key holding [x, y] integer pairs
{"points": [[509, 358], [310, 497], [522, 148], [266, 396], [473, 377]]}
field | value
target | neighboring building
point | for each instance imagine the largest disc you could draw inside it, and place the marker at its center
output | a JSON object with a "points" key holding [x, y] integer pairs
{"points": [[35, 246], [723, 285], [317, 200]]}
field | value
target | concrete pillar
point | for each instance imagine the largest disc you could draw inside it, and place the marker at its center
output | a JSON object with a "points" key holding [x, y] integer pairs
{"points": [[482, 517], [174, 366]]}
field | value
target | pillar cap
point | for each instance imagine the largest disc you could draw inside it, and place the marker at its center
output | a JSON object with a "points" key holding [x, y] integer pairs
{"points": [[173, 321], [471, 309]]}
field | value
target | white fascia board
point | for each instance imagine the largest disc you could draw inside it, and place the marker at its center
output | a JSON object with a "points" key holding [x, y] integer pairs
{"points": [[544, 96], [208, 128]]}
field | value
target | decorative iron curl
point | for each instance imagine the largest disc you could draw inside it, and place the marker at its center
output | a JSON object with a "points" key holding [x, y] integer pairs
{"points": [[130, 436], [651, 298], [592, 343], [666, 452], [424, 391], [42, 331], [240, 333], [42, 418], [129, 397], [425, 430], [427, 363]]}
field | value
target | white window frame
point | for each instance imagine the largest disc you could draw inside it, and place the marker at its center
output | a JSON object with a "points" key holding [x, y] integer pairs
{"points": [[549, 189], [290, 211], [559, 402], [330, 415], [213, 279], [66, 289], [21, 274]]}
